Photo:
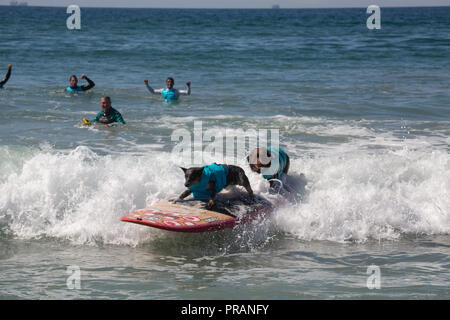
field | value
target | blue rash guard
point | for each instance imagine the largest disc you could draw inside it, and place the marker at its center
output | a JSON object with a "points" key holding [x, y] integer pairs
{"points": [[213, 172], [276, 168], [73, 90], [169, 95]]}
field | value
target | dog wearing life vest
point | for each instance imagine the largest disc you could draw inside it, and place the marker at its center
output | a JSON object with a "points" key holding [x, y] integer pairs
{"points": [[260, 161], [206, 182]]}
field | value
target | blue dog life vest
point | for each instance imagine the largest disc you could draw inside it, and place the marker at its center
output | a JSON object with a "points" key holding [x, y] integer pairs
{"points": [[276, 153], [169, 95], [212, 172], [77, 89]]}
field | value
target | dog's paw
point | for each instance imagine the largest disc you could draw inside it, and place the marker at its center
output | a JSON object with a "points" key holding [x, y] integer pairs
{"points": [[210, 204]]}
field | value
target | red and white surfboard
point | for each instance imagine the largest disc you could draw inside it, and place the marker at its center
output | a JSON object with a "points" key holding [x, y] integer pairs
{"points": [[191, 216]]}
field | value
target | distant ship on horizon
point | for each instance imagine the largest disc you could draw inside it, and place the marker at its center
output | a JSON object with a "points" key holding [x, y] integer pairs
{"points": [[16, 4], [276, 6]]}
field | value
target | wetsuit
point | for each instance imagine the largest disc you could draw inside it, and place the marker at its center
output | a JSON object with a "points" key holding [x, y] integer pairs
{"points": [[169, 95], [110, 116], [90, 85], [4, 81]]}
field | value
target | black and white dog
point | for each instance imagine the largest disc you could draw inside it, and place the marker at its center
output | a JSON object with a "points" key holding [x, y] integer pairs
{"points": [[210, 180]]}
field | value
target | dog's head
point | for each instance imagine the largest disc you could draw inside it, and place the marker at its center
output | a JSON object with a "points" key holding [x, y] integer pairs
{"points": [[259, 158], [192, 176]]}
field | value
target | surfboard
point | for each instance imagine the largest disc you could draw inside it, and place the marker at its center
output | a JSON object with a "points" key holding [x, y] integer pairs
{"points": [[193, 216]]}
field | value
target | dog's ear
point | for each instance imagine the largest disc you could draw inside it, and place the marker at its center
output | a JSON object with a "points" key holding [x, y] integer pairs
{"points": [[184, 169]]}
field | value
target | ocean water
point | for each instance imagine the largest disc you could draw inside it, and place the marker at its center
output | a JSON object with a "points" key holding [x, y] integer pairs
{"points": [[363, 114]]}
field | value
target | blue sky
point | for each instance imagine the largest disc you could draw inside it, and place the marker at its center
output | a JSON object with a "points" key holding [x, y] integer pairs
{"points": [[234, 3]]}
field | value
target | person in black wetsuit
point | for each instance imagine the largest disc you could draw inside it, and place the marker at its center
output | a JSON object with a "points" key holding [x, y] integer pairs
{"points": [[108, 114], [8, 74], [74, 87]]}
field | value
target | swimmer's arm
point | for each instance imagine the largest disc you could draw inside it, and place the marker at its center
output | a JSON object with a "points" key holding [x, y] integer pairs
{"points": [[97, 117], [118, 118], [90, 85], [186, 92], [153, 91], [8, 74]]}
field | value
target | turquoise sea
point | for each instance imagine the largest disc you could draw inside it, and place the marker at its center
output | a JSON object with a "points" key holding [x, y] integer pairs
{"points": [[363, 114]]}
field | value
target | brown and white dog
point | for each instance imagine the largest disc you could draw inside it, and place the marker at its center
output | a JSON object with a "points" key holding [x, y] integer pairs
{"points": [[262, 158]]}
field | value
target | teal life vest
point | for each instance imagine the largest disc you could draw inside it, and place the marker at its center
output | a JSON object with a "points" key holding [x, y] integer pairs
{"points": [[276, 167], [169, 95], [209, 172], [77, 89]]}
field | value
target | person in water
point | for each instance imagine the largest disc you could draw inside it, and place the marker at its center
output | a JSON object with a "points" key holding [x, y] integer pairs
{"points": [[271, 162], [8, 74], [74, 87], [169, 94], [108, 114]]}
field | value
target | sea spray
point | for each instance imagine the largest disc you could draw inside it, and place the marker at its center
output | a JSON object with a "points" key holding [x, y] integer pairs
{"points": [[80, 196], [362, 196]]}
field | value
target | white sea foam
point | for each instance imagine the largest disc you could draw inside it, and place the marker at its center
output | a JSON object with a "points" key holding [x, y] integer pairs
{"points": [[364, 196], [81, 196], [373, 185]]}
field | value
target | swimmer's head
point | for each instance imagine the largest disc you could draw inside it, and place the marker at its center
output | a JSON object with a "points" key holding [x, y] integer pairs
{"points": [[105, 103], [73, 81], [170, 82]]}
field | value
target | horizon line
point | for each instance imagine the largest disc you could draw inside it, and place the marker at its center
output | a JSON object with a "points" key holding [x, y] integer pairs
{"points": [[233, 8]]}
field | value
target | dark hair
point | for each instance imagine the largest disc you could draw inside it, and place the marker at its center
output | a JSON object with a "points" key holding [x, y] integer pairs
{"points": [[106, 97], [170, 78], [73, 76]]}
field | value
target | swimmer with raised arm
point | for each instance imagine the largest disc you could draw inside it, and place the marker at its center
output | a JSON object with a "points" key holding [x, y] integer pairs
{"points": [[8, 74], [169, 94], [74, 87]]}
